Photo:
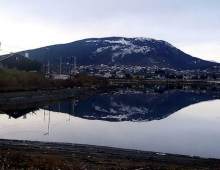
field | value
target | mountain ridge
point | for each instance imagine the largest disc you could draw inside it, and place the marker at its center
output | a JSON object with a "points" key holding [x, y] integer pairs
{"points": [[121, 51]]}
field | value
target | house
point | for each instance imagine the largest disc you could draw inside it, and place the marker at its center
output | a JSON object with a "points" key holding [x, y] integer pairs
{"points": [[107, 75], [19, 62]]}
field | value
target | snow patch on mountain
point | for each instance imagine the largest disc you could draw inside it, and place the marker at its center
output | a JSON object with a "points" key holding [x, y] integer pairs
{"points": [[125, 112], [142, 39], [122, 47], [92, 41], [119, 110], [131, 49], [113, 111], [118, 117], [149, 51], [131, 110], [121, 41], [99, 50], [98, 108]]}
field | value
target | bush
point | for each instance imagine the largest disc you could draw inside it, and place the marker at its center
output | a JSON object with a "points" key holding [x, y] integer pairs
{"points": [[14, 80]]}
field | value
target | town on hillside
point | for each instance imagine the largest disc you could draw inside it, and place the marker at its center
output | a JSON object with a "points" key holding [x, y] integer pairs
{"points": [[64, 70]]}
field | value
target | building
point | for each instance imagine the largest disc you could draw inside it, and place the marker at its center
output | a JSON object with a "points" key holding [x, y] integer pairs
{"points": [[19, 62]]}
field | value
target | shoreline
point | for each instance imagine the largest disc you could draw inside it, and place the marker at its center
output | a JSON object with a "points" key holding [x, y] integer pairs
{"points": [[18, 154], [57, 94], [167, 82], [47, 95], [48, 155]]}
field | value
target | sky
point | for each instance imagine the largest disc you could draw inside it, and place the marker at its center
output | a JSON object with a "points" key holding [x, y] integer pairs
{"points": [[193, 26]]}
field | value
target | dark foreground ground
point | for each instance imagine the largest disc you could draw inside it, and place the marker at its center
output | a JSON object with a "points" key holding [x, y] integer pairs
{"points": [[40, 155]]}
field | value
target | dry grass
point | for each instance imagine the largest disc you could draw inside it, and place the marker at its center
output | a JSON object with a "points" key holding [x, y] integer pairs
{"points": [[19, 160], [14, 80]]}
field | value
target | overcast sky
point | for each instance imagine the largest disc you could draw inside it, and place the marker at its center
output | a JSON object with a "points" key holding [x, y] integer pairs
{"points": [[193, 26]]}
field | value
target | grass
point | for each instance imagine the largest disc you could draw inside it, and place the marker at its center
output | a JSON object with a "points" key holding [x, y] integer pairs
{"points": [[15, 80], [22, 160]]}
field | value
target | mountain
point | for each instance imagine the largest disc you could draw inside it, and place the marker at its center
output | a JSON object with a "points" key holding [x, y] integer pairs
{"points": [[120, 50]]}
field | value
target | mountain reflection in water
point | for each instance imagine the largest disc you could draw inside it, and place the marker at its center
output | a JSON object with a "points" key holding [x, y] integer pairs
{"points": [[123, 119], [132, 105], [124, 105]]}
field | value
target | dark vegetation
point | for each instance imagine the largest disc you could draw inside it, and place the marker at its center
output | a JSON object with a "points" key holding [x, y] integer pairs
{"points": [[14, 80]]}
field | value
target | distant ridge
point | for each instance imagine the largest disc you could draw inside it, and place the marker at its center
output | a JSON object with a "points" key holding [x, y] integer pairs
{"points": [[121, 50]]}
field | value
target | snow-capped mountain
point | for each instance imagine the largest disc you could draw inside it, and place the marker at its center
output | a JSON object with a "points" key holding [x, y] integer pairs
{"points": [[120, 50]]}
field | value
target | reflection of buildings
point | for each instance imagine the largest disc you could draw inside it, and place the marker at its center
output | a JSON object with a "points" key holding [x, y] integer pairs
{"points": [[133, 105], [146, 104], [16, 113], [69, 107], [19, 110]]}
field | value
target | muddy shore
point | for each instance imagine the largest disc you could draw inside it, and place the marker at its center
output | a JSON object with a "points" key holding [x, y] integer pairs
{"points": [[15, 154]]}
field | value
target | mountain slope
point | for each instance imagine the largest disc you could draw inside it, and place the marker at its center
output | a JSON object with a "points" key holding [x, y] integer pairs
{"points": [[119, 50]]}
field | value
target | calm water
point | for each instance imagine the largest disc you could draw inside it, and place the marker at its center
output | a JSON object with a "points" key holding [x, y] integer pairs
{"points": [[175, 121]]}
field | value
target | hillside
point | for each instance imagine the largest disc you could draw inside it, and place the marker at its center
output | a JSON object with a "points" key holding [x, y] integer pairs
{"points": [[119, 50]]}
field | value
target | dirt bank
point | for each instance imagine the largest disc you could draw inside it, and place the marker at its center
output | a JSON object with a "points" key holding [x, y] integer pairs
{"points": [[47, 95], [40, 155]]}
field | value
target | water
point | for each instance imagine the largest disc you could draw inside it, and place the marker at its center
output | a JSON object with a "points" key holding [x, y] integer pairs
{"points": [[176, 121]]}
